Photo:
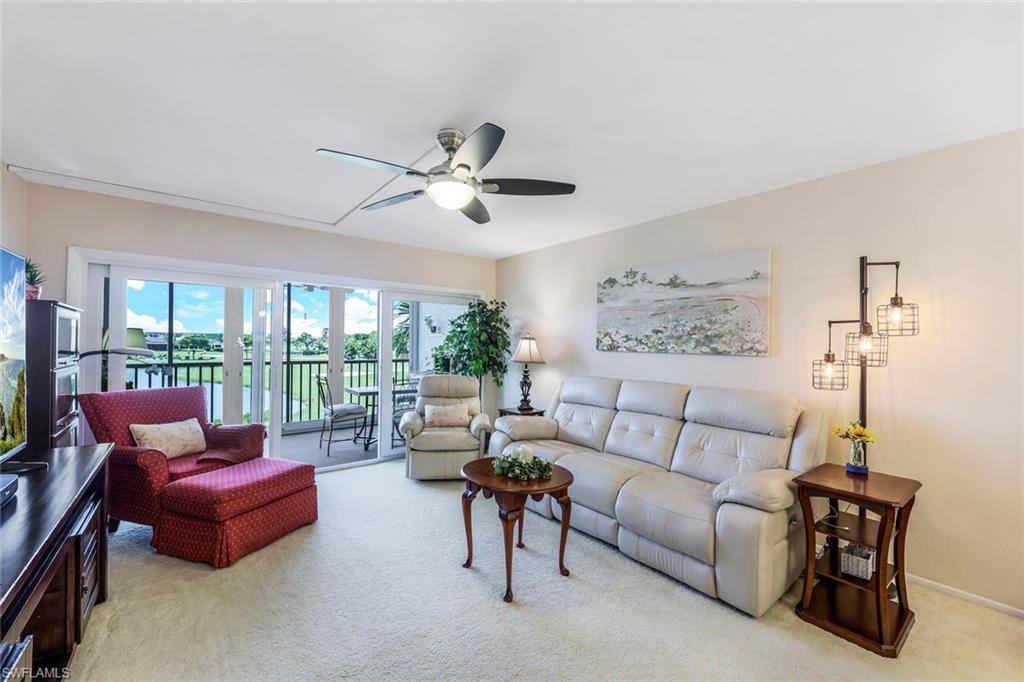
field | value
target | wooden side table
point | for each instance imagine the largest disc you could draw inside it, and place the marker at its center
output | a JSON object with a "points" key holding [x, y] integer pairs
{"points": [[511, 494], [857, 610], [515, 411]]}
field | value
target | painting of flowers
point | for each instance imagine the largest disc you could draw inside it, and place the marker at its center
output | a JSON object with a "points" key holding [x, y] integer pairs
{"points": [[719, 305]]}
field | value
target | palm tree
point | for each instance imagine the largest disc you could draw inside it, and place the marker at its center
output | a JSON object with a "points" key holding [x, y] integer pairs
{"points": [[401, 316]]}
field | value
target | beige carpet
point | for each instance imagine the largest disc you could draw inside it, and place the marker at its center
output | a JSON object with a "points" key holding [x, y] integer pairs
{"points": [[375, 590]]}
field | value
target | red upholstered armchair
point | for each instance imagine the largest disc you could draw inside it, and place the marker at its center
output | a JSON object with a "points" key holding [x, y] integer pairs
{"points": [[138, 475]]}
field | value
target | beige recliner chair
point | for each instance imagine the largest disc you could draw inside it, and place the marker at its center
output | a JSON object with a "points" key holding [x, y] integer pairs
{"points": [[441, 452]]}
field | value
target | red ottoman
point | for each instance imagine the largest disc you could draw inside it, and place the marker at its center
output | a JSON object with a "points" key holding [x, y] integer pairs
{"points": [[222, 515]]}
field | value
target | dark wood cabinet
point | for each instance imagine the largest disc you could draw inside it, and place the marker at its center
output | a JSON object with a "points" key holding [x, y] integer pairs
{"points": [[53, 555], [51, 368]]}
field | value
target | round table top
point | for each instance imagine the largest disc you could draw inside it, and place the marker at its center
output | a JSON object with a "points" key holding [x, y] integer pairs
{"points": [[481, 472]]}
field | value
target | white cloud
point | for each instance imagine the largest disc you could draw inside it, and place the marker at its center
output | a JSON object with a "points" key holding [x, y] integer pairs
{"points": [[12, 317], [201, 294], [312, 325], [149, 323], [360, 315], [136, 284], [298, 307]]}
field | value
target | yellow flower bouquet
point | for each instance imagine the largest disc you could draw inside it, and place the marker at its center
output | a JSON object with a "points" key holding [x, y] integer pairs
{"points": [[855, 431], [858, 435]]}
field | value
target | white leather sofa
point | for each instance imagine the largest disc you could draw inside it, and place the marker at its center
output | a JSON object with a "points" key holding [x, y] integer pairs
{"points": [[695, 482], [441, 452]]}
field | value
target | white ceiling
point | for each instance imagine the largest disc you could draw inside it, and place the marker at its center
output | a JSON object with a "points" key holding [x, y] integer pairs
{"points": [[650, 109]]}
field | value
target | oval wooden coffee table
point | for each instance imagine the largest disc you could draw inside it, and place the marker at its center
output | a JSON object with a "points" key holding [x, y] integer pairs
{"points": [[511, 494]]}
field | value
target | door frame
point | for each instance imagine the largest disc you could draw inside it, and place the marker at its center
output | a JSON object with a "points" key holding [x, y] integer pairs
{"points": [[385, 352], [172, 268]]}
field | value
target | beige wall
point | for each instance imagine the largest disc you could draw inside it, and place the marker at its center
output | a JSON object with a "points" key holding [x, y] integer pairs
{"points": [[12, 211], [948, 407], [59, 218]]}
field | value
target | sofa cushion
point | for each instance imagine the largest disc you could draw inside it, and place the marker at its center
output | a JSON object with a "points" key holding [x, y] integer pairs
{"points": [[472, 404], [551, 450], [773, 414], [645, 437], [652, 397], [174, 439], [189, 465], [590, 391], [584, 425], [673, 510], [713, 454], [598, 477], [438, 438], [446, 415]]}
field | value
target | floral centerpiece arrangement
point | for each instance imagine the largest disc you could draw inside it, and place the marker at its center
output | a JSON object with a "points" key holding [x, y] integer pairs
{"points": [[521, 463], [858, 435]]}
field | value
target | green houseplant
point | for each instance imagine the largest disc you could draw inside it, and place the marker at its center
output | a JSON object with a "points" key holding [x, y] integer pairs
{"points": [[477, 344], [34, 280]]}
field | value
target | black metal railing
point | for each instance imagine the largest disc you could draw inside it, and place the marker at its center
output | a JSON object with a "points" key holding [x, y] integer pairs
{"points": [[301, 401]]}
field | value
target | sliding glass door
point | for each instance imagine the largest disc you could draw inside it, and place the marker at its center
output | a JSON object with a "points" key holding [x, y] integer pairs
{"points": [[412, 345], [287, 354], [192, 331]]}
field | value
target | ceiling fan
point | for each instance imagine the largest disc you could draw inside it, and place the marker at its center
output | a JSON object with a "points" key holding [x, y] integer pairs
{"points": [[453, 184]]}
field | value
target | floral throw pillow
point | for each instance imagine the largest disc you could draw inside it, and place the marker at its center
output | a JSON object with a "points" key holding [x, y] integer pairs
{"points": [[174, 440]]}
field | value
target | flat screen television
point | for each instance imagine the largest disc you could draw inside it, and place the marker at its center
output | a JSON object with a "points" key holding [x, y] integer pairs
{"points": [[12, 354]]}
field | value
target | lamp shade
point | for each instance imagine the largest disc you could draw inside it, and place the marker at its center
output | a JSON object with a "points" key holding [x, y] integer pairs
{"points": [[135, 338], [527, 351]]}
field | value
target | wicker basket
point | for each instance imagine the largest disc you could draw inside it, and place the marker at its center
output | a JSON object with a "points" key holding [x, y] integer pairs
{"points": [[858, 560]]}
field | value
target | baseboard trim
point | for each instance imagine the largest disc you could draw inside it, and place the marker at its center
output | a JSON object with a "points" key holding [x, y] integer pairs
{"points": [[966, 596]]}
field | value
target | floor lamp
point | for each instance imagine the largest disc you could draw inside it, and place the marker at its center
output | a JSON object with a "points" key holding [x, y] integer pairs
{"points": [[868, 347]]}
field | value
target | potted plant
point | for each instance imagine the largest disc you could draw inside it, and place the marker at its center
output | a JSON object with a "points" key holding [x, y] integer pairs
{"points": [[477, 343], [34, 279]]}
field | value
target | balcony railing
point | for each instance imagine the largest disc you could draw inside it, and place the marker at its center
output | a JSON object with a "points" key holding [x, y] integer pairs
{"points": [[301, 400]]}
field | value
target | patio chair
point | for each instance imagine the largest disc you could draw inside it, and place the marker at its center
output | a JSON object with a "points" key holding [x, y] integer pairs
{"points": [[338, 415]]}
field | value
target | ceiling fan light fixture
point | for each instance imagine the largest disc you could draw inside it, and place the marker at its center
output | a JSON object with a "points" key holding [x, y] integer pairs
{"points": [[450, 193]]}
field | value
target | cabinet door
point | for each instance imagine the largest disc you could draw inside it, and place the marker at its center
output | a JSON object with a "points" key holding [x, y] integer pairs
{"points": [[87, 538]]}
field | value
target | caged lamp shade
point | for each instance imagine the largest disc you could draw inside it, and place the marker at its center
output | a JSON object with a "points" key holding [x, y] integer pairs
{"points": [[867, 347], [830, 374], [897, 318]]}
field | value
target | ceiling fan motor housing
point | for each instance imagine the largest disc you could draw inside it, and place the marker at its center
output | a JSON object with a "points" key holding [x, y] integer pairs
{"points": [[450, 139]]}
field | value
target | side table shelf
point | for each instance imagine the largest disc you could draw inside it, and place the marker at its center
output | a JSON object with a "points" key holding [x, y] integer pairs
{"points": [[860, 611]]}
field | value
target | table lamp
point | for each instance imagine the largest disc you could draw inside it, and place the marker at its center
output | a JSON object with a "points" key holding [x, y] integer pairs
{"points": [[528, 354]]}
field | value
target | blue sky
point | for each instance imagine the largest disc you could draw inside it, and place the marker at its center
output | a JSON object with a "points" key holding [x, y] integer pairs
{"points": [[12, 307], [200, 309]]}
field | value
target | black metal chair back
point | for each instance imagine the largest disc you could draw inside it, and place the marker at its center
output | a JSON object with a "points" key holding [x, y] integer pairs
{"points": [[323, 388]]}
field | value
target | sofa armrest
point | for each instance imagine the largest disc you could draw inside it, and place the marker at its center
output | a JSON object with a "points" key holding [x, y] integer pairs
{"points": [[235, 443], [770, 490], [527, 428], [410, 425], [480, 425], [152, 462]]}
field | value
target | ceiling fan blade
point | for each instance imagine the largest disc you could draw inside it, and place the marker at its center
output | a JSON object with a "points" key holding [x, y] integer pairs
{"points": [[371, 163], [522, 187], [391, 201], [478, 148], [476, 211]]}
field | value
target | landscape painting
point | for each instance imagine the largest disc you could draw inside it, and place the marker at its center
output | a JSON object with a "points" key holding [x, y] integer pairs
{"points": [[719, 305], [12, 351]]}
